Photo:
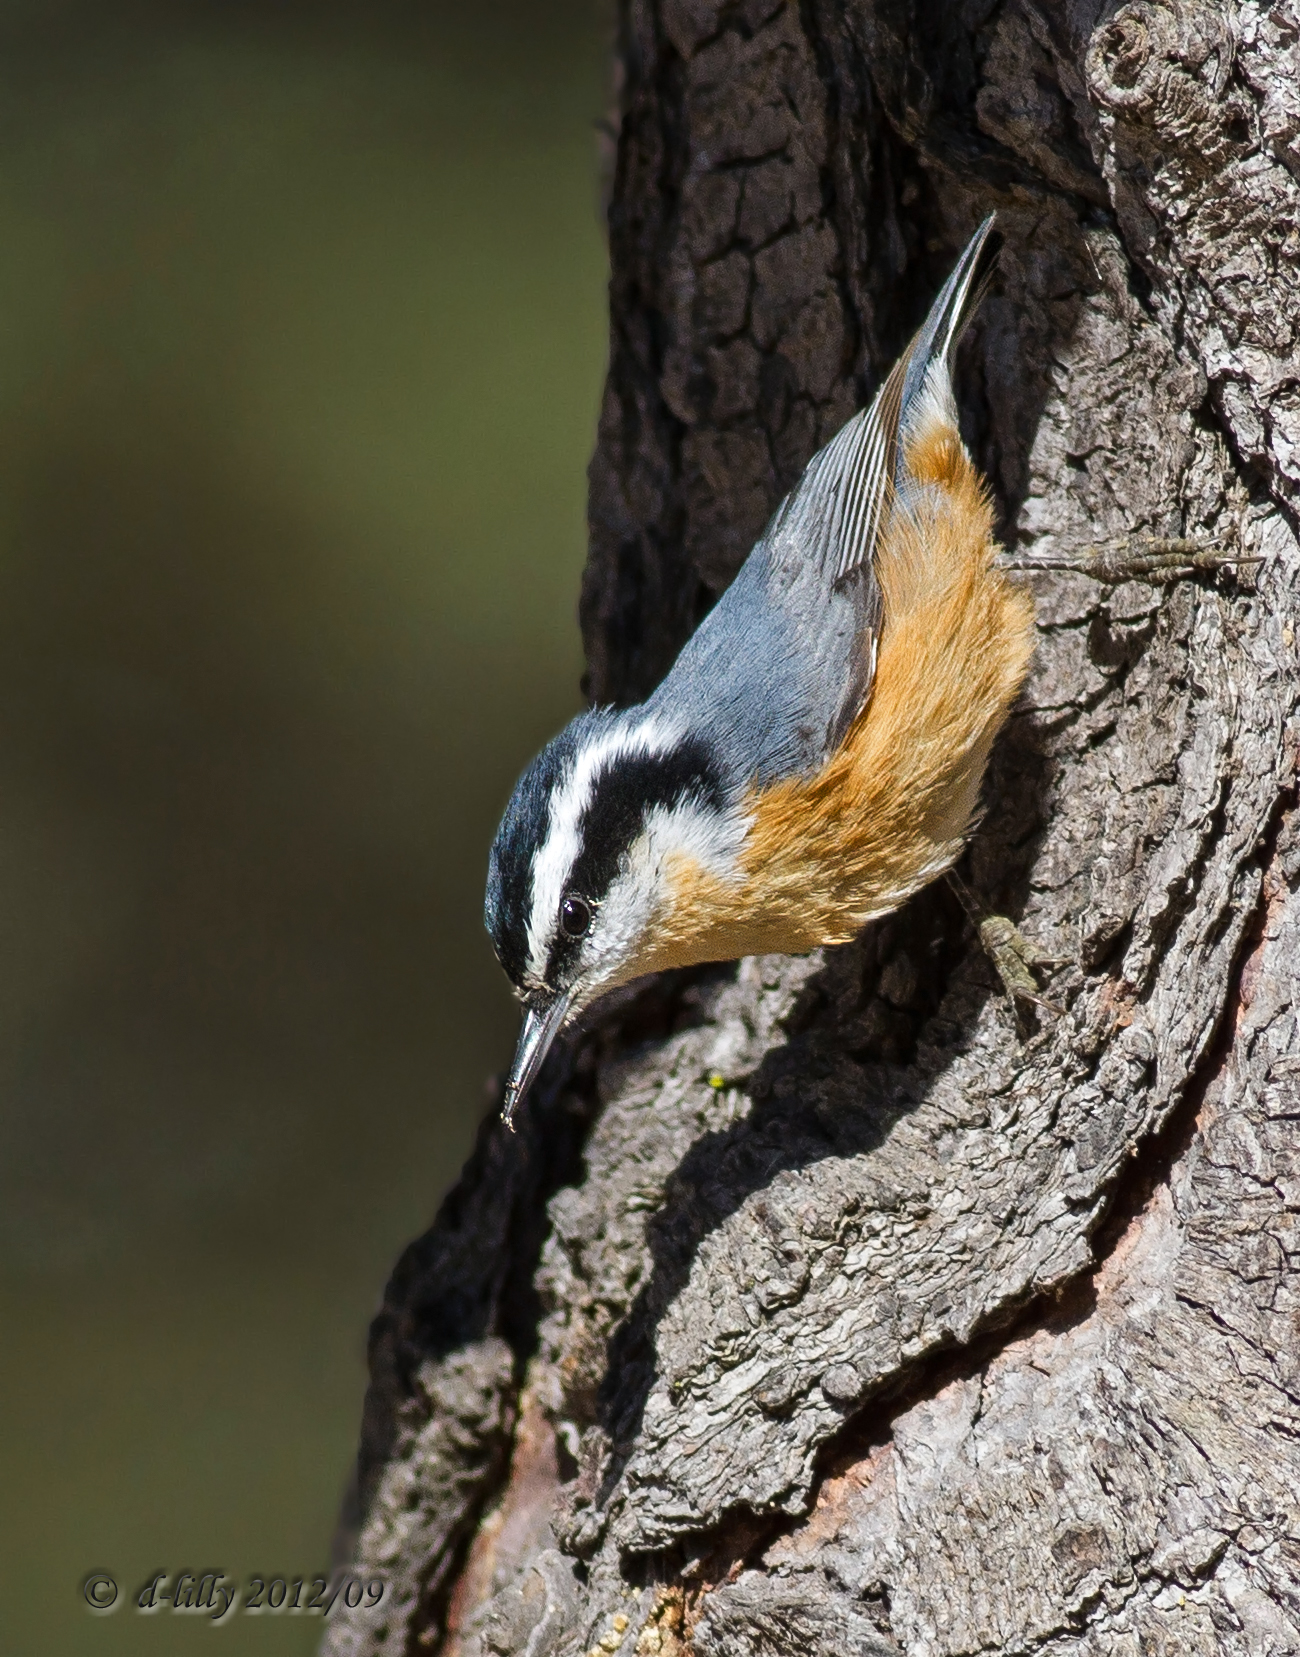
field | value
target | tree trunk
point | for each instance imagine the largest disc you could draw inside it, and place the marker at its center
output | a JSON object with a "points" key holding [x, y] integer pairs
{"points": [[817, 1307]]}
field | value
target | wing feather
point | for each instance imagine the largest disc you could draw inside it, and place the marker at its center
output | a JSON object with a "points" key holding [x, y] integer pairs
{"points": [[782, 664], [838, 509]]}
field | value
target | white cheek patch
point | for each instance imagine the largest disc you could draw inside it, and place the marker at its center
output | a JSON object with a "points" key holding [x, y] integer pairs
{"points": [[555, 859], [641, 887], [710, 838]]}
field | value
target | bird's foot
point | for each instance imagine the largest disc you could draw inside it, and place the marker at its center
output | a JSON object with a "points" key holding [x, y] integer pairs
{"points": [[1015, 958], [1012, 954], [1150, 558]]}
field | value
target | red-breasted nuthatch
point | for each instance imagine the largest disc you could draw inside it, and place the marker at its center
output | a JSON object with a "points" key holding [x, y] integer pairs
{"points": [[815, 754]]}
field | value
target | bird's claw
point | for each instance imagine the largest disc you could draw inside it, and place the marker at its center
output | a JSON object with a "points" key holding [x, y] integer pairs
{"points": [[1015, 957], [1154, 559]]}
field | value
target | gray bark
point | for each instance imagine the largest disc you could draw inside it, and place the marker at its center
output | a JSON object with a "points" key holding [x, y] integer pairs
{"points": [[819, 1307]]}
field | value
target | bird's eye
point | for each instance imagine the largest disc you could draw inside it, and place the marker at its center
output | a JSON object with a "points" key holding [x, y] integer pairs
{"points": [[575, 917]]}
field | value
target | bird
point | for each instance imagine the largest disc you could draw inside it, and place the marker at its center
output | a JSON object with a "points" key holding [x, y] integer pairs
{"points": [[816, 752]]}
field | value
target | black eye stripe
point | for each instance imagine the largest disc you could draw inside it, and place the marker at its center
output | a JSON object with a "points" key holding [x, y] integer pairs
{"points": [[625, 791], [622, 797], [521, 835]]}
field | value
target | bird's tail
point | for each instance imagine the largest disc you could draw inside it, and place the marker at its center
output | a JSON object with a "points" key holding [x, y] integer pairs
{"points": [[842, 501], [925, 369]]}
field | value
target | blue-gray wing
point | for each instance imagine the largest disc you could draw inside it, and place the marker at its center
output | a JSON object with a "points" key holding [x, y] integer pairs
{"points": [[781, 665]]}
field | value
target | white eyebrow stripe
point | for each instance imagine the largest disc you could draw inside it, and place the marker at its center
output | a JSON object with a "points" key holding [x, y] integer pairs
{"points": [[559, 851]]}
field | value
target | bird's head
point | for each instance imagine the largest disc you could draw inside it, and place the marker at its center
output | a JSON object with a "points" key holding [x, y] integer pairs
{"points": [[587, 871]]}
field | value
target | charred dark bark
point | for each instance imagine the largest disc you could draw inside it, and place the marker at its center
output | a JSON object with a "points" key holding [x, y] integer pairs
{"points": [[840, 1315]]}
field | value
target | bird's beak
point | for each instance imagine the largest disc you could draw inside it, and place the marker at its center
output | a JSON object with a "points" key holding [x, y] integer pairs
{"points": [[541, 1026]]}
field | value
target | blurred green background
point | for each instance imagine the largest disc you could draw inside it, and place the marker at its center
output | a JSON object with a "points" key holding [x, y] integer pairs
{"points": [[301, 338]]}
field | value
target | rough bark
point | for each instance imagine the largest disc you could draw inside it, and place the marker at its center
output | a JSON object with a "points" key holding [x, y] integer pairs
{"points": [[820, 1308]]}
